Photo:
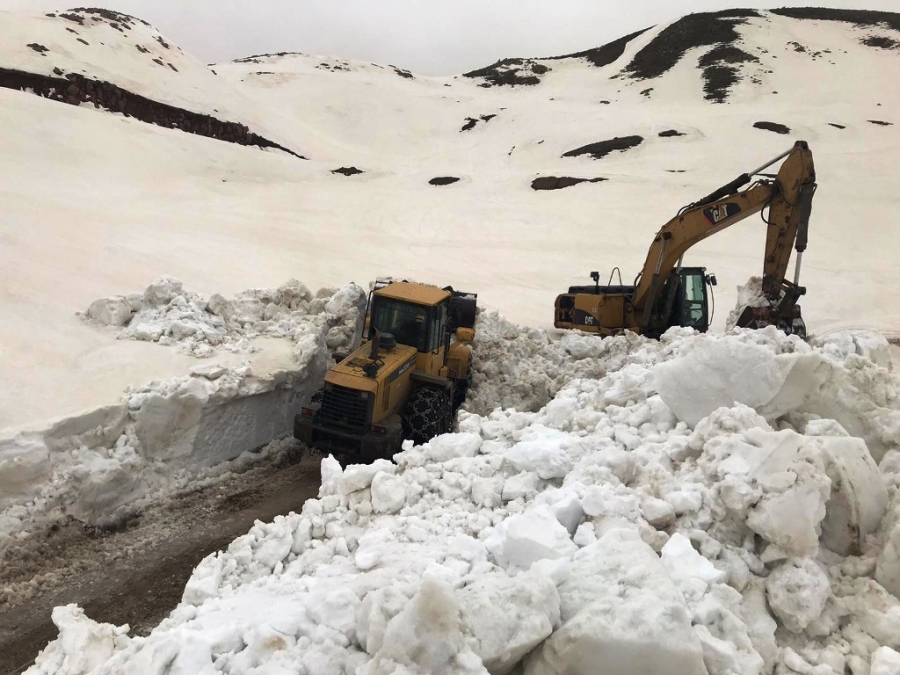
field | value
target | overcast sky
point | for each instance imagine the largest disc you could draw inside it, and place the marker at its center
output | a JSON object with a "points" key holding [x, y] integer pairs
{"points": [[426, 36]]}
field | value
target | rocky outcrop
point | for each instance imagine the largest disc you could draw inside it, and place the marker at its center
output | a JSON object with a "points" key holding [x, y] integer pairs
{"points": [[560, 182], [601, 149], [76, 89], [773, 126]]}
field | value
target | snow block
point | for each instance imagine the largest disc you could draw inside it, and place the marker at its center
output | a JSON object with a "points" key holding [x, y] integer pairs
{"points": [[509, 617], [726, 372], [887, 568], [797, 592], [622, 614], [425, 637], [114, 311], [858, 494], [534, 535]]}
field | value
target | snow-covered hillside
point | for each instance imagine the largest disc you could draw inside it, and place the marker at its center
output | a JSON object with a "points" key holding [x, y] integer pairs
{"points": [[737, 494]]}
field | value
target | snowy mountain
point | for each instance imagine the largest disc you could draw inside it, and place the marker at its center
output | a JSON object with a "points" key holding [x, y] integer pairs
{"points": [[736, 493]]}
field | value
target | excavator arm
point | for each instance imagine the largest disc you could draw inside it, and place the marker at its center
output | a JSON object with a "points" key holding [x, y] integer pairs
{"points": [[788, 198]]}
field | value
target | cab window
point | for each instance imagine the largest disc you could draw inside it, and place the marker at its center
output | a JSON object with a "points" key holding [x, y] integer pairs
{"points": [[408, 323], [694, 300]]}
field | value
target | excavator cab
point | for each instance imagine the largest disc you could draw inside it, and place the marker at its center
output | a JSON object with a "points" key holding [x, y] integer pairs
{"points": [[685, 300]]}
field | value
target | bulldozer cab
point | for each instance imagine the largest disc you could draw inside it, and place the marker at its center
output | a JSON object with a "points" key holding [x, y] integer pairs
{"points": [[411, 324]]}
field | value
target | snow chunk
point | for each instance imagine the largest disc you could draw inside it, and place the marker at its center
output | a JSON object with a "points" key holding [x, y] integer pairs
{"points": [[633, 621], [114, 311], [684, 562], [858, 495], [885, 661], [83, 645], [534, 535], [725, 371], [797, 592], [546, 452], [359, 476], [426, 637], [388, 492], [509, 617]]}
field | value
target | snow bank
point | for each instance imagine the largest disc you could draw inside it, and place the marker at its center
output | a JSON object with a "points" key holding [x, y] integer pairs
{"points": [[168, 314], [601, 527], [100, 466]]}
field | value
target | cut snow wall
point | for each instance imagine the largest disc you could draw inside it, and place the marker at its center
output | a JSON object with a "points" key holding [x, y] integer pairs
{"points": [[106, 463]]}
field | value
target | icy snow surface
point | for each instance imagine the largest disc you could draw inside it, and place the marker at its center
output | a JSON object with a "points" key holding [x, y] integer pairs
{"points": [[598, 525]]}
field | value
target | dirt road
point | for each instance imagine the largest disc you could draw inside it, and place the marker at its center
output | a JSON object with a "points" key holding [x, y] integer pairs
{"points": [[135, 575]]}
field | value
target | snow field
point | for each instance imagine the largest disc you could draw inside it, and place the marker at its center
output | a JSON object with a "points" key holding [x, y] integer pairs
{"points": [[600, 526], [105, 464]]}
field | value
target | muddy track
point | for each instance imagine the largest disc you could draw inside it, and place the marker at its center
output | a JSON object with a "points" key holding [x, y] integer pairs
{"points": [[136, 574]]}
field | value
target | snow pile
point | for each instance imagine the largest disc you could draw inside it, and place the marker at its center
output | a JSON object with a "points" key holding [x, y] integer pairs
{"points": [[105, 464], [521, 368], [749, 294], [168, 314], [602, 527]]}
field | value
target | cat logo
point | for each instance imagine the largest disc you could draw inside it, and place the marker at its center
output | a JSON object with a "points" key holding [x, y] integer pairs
{"points": [[716, 214]]}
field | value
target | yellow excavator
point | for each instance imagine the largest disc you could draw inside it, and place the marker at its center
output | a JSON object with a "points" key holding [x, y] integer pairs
{"points": [[665, 294]]}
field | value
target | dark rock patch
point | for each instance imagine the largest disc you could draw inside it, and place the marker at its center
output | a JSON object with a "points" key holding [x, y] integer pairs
{"points": [[560, 182], [695, 30], [881, 42], [76, 89], [443, 180], [836, 126], [668, 133], [256, 57], [720, 72], [84, 42], [348, 171], [172, 67], [57, 71], [77, 18], [772, 126], [158, 61], [162, 42], [881, 123], [510, 72], [142, 49], [472, 121], [603, 148], [604, 102], [647, 92], [860, 17], [118, 17], [675, 170], [40, 49], [603, 56], [72, 30], [403, 73]]}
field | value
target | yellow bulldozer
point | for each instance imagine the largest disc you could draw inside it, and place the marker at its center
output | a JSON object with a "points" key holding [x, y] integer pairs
{"points": [[405, 381], [665, 294]]}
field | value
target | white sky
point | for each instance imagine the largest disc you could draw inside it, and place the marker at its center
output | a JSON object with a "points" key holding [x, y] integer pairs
{"points": [[421, 35]]}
